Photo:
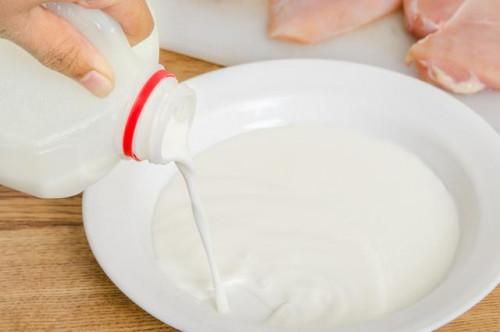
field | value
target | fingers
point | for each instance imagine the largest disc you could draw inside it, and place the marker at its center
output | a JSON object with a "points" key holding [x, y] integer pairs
{"points": [[134, 16], [57, 45]]}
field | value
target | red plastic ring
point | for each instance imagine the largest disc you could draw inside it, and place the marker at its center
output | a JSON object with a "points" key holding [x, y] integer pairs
{"points": [[136, 110]]}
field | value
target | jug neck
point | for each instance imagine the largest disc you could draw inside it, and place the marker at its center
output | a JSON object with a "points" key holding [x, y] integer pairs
{"points": [[157, 125]]}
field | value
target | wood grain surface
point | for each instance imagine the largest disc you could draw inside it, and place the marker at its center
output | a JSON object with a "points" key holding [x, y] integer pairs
{"points": [[49, 280]]}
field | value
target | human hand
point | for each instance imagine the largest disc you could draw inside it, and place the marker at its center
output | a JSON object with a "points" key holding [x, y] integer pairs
{"points": [[59, 46]]}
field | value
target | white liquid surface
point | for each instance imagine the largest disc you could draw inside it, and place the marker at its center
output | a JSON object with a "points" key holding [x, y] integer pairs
{"points": [[312, 227]]}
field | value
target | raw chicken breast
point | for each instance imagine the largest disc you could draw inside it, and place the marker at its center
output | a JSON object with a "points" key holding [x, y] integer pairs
{"points": [[463, 56], [312, 21], [426, 16]]}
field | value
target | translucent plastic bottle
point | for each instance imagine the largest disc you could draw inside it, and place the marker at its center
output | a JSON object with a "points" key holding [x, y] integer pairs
{"points": [[56, 138]]}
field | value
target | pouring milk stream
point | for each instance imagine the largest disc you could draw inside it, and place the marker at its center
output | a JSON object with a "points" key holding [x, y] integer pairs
{"points": [[56, 139]]}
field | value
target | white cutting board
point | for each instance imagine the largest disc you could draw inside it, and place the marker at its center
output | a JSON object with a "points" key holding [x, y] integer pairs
{"points": [[230, 32]]}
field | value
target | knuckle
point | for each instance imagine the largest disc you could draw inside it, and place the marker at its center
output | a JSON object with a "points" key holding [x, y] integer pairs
{"points": [[62, 57], [143, 32], [148, 29], [7, 29]]}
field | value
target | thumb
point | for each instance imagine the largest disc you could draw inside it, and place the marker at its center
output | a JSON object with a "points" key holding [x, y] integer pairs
{"points": [[59, 46]]}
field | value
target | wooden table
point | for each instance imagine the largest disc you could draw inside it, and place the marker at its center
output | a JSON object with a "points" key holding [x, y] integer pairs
{"points": [[49, 280]]}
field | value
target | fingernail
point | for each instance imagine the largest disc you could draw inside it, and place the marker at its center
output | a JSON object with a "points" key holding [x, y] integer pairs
{"points": [[98, 84]]}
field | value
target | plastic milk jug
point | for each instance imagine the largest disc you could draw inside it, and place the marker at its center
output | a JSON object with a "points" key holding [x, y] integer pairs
{"points": [[56, 138]]}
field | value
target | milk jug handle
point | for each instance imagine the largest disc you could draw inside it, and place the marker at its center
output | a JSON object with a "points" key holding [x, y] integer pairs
{"points": [[102, 31]]}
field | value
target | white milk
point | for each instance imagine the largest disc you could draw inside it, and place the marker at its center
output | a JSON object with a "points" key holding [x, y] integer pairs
{"points": [[312, 227], [189, 175]]}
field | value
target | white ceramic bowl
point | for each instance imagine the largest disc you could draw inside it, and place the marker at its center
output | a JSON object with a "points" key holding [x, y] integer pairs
{"points": [[458, 145]]}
